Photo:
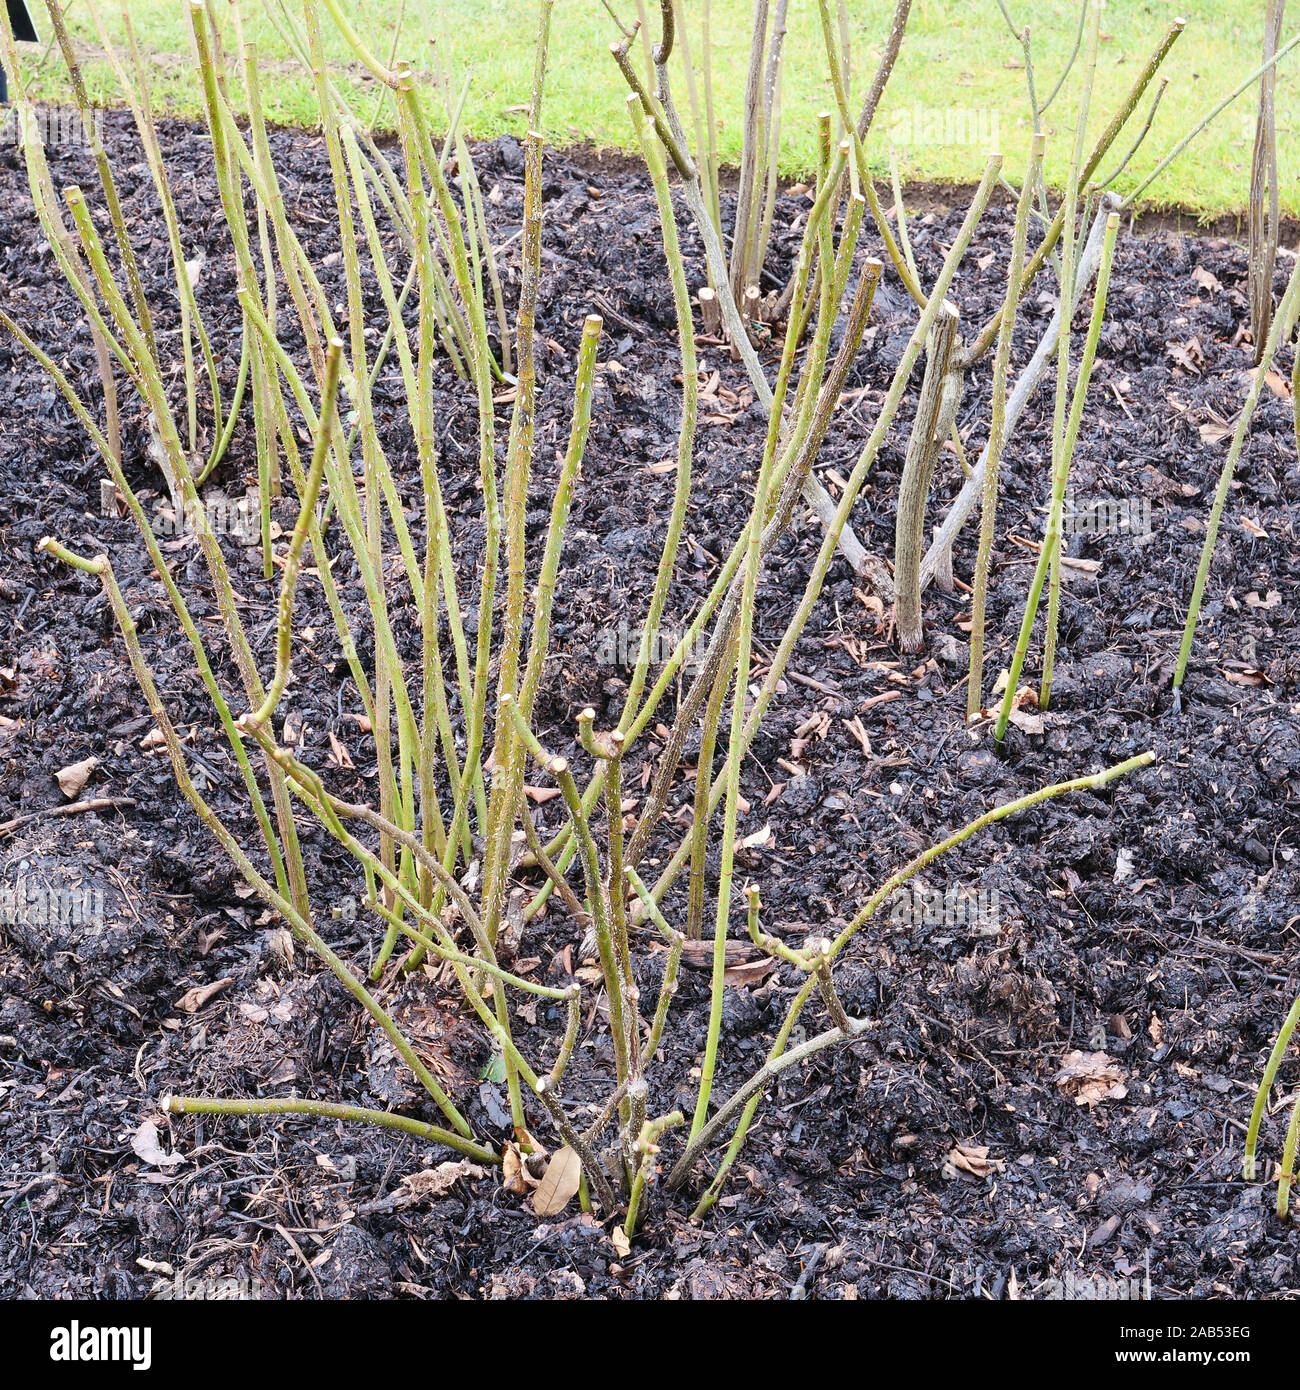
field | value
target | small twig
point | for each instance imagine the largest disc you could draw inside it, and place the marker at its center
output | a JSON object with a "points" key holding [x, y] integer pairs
{"points": [[100, 803]]}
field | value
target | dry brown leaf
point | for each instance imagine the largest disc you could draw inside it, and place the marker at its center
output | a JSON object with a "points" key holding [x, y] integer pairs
{"points": [[72, 778], [749, 973], [1249, 676], [1091, 1077], [338, 754], [514, 1176], [618, 1238], [541, 795], [146, 1147], [194, 999], [1275, 382], [758, 839], [559, 1183], [1024, 721], [429, 1183], [974, 1159], [1188, 355]]}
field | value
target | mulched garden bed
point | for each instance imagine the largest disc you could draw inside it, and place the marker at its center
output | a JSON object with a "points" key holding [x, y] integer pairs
{"points": [[952, 1152]]}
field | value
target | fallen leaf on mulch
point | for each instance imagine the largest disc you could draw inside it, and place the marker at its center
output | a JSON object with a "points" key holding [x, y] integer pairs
{"points": [[146, 1147], [748, 974], [758, 839], [1026, 722], [429, 1183], [72, 778], [194, 999], [1275, 382], [559, 1183], [515, 1176], [1189, 355], [973, 1159], [338, 753], [1091, 1077]]}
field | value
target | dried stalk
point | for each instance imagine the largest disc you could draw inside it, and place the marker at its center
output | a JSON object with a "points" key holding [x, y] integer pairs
{"points": [[1263, 215], [941, 391]]}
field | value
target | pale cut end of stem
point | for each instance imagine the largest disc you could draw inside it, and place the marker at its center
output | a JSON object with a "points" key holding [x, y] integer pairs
{"points": [[710, 312]]}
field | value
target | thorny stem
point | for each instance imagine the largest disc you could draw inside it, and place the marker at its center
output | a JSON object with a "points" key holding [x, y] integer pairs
{"points": [[328, 1110], [997, 426], [1266, 1086], [1283, 324], [779, 1060], [1060, 479], [647, 1147], [293, 557], [300, 926]]}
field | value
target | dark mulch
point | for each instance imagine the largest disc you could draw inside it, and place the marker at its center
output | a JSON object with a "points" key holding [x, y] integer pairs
{"points": [[1155, 922]]}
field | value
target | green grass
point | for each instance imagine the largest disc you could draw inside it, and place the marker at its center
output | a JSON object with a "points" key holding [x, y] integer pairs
{"points": [[958, 57]]}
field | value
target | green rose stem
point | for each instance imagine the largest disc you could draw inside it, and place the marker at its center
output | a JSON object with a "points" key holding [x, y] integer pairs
{"points": [[1283, 325], [1064, 455], [297, 542], [173, 593], [779, 1060], [322, 1109], [856, 480], [151, 384], [1266, 1086], [299, 924], [997, 426], [647, 1147]]}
